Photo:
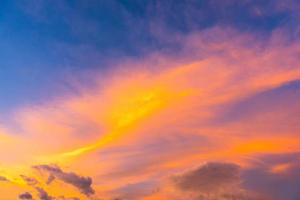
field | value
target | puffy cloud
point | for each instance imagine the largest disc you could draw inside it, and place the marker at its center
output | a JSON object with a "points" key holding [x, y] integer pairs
{"points": [[211, 181], [33, 182], [41, 192], [80, 182], [209, 177], [43, 195], [25, 196]]}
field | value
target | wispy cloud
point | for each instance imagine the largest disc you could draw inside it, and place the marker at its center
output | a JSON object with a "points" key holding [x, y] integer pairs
{"points": [[212, 112]]}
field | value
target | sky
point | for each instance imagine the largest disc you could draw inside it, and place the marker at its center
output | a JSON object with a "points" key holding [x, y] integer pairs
{"points": [[149, 100]]}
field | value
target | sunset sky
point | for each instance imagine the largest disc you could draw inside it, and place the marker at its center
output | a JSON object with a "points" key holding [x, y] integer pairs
{"points": [[150, 100]]}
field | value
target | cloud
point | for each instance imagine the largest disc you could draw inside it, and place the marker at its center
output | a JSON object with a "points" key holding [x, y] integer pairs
{"points": [[50, 179], [209, 177], [213, 180], [276, 176], [133, 191], [25, 196], [216, 68], [80, 182], [2, 178], [173, 101], [33, 182], [43, 195], [67, 198], [29, 180]]}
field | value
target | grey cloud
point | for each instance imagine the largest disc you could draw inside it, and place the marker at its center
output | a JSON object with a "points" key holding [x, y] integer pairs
{"points": [[43, 195], [211, 181], [80, 182], [50, 179], [25, 196], [209, 177]]}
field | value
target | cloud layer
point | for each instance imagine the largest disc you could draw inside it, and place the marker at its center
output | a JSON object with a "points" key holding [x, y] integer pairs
{"points": [[213, 115]]}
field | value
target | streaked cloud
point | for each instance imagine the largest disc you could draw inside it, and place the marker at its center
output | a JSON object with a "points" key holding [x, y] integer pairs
{"points": [[213, 115], [181, 101]]}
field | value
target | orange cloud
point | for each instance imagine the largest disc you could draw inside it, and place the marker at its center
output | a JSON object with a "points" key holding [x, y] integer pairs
{"points": [[176, 101]]}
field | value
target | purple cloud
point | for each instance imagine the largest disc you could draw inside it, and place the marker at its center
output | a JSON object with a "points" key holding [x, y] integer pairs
{"points": [[25, 196], [80, 182]]}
